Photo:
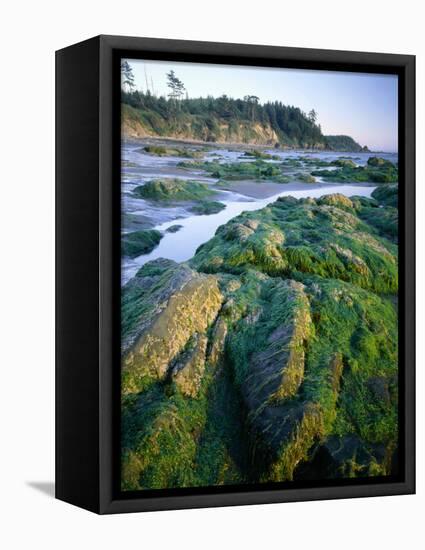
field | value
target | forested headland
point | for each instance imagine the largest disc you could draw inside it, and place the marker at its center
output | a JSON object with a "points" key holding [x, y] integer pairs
{"points": [[224, 120]]}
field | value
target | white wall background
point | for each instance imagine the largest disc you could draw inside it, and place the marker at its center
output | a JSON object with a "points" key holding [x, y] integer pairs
{"points": [[30, 33]]}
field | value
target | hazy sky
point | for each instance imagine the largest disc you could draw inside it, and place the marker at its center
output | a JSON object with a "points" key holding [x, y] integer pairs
{"points": [[363, 106]]}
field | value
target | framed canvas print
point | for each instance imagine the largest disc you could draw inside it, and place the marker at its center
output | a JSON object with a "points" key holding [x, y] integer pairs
{"points": [[235, 274]]}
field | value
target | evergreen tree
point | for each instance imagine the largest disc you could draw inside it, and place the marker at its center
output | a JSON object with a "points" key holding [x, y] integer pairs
{"points": [[127, 76], [312, 116], [176, 86]]}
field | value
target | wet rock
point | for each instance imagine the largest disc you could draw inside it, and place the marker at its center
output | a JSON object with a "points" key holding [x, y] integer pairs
{"points": [[188, 369], [345, 163], [276, 372], [140, 242], [173, 228], [270, 357], [168, 304], [207, 208], [386, 195], [379, 387], [336, 199], [346, 457], [173, 189], [217, 342], [351, 260], [290, 238]]}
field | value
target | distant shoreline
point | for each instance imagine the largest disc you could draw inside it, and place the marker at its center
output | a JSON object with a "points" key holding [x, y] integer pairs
{"points": [[239, 146]]}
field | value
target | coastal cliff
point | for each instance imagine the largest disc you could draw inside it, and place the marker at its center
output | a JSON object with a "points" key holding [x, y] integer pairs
{"points": [[226, 120]]}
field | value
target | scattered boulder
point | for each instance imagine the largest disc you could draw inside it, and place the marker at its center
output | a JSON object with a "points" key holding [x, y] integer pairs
{"points": [[173, 228], [140, 242], [169, 189]]}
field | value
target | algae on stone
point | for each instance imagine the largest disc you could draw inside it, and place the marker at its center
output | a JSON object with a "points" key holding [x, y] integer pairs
{"points": [[271, 356], [289, 238], [170, 189], [377, 170], [163, 311], [207, 208], [140, 242]]}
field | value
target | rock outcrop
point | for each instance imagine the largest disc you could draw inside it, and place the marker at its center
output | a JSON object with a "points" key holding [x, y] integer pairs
{"points": [[272, 356], [167, 304]]}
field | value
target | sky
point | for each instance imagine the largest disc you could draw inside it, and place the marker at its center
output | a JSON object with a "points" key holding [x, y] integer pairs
{"points": [[363, 106]]}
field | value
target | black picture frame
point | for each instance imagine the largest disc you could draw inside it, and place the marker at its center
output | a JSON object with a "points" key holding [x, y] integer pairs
{"points": [[88, 269]]}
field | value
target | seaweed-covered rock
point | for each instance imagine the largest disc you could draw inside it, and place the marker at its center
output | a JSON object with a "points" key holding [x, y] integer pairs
{"points": [[164, 306], [377, 170], [387, 195], [174, 228], [381, 212], [140, 242], [188, 369], [259, 170], [291, 237], [271, 357], [378, 162], [302, 384], [347, 163], [305, 178], [276, 369], [170, 189], [161, 151], [208, 207], [346, 457], [336, 199], [260, 155]]}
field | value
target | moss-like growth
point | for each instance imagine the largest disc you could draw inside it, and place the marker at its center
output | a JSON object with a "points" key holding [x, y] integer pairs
{"points": [[158, 446], [378, 162], [291, 237], [282, 365], [173, 228], [161, 311], [161, 151], [345, 163], [256, 170], [383, 219], [305, 178], [208, 207], [140, 242], [376, 171], [388, 195], [167, 190], [323, 336], [261, 155]]}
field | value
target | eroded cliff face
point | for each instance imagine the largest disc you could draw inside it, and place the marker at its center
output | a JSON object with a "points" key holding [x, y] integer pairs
{"points": [[251, 134], [272, 356]]}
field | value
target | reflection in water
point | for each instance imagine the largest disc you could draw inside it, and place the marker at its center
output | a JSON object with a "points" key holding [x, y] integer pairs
{"points": [[181, 246], [139, 167]]}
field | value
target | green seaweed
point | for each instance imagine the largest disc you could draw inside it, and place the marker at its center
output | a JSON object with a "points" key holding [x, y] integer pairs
{"points": [[208, 207], [140, 242], [299, 376], [166, 190], [292, 237], [376, 171]]}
